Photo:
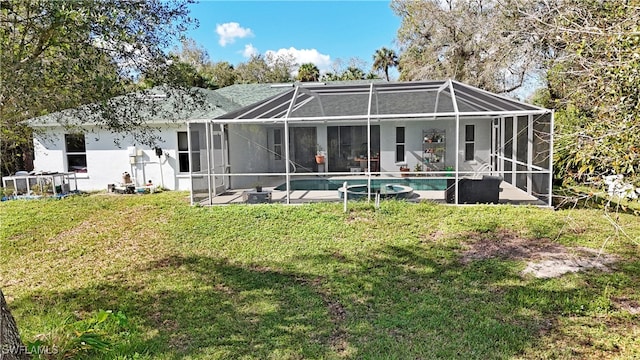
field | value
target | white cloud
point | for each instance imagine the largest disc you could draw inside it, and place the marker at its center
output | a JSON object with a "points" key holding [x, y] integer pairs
{"points": [[249, 51], [303, 56], [231, 31]]}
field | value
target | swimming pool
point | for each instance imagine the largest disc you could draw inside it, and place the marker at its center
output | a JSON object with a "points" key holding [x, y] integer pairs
{"points": [[424, 184]]}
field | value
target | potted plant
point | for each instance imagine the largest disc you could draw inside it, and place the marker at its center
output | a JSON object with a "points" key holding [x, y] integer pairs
{"points": [[258, 187], [418, 169], [320, 154], [404, 169]]}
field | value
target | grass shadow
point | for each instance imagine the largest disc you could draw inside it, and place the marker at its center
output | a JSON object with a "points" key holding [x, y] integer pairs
{"points": [[220, 311]]}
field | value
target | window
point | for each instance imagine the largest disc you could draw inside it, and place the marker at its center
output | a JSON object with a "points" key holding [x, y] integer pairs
{"points": [[76, 153], [469, 142], [217, 142], [277, 143], [183, 151], [400, 144]]}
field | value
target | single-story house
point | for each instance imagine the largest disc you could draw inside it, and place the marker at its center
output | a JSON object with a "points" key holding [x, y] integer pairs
{"points": [[69, 142], [443, 140]]}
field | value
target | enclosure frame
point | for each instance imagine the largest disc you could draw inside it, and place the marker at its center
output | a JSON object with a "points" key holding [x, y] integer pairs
{"points": [[524, 155]]}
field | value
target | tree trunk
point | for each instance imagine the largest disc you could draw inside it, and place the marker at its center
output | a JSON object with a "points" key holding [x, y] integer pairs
{"points": [[11, 347]]}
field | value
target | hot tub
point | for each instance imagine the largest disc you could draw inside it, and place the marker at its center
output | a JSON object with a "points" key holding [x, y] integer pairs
{"points": [[387, 191]]}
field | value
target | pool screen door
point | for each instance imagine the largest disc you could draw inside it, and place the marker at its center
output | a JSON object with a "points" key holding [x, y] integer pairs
{"points": [[218, 160]]}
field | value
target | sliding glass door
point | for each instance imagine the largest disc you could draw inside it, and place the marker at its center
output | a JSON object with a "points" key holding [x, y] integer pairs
{"points": [[347, 146]]}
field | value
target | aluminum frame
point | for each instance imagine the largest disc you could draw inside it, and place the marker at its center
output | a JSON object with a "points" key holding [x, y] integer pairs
{"points": [[478, 103]]}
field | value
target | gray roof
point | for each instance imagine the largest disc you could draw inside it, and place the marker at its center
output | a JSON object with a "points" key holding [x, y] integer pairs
{"points": [[388, 98], [163, 104], [248, 94]]}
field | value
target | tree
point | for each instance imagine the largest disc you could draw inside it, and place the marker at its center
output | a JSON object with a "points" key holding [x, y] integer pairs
{"points": [[352, 73], [11, 347], [221, 73], [178, 73], [590, 52], [308, 72], [191, 53], [255, 70], [384, 59], [190, 66], [59, 54], [281, 67], [265, 69], [473, 41]]}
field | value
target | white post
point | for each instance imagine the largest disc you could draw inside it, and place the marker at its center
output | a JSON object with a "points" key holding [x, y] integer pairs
{"points": [[503, 122], [369, 143], [514, 151], [286, 142], [457, 112], [344, 186], [161, 174], [551, 159], [529, 153], [190, 162], [210, 162]]}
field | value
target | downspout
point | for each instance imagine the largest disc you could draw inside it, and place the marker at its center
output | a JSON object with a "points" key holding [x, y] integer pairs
{"points": [[286, 142]]}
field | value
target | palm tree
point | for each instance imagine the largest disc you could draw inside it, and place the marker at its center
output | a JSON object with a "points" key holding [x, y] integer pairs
{"points": [[384, 59], [308, 72], [352, 73]]}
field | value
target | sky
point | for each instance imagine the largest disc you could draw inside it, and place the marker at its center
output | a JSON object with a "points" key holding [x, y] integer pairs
{"points": [[319, 31]]}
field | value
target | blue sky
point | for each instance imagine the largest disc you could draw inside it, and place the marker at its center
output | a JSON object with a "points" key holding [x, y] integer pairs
{"points": [[312, 31]]}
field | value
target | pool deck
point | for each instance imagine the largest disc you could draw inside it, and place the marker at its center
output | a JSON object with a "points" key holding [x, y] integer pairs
{"points": [[509, 194]]}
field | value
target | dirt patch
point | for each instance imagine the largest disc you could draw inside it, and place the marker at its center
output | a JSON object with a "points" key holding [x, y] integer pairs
{"points": [[545, 259], [631, 306], [355, 218]]}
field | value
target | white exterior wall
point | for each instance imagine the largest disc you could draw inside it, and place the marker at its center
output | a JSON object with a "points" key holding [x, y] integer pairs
{"points": [[413, 143], [106, 162], [482, 144], [250, 144]]}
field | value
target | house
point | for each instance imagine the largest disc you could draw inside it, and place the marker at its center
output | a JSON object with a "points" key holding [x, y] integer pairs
{"points": [[70, 142], [444, 140]]}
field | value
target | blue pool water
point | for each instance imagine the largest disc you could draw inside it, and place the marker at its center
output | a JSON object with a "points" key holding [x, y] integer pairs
{"points": [[335, 184]]}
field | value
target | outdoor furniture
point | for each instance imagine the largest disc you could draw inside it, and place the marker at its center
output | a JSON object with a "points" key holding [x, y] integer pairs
{"points": [[256, 197], [23, 183], [375, 163], [472, 191]]}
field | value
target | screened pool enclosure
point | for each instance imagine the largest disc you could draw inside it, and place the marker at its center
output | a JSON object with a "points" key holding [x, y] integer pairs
{"points": [[444, 140]]}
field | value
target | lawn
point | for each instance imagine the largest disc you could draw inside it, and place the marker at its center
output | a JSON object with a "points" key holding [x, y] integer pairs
{"points": [[150, 277]]}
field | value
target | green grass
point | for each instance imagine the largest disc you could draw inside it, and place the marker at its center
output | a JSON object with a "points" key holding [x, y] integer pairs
{"points": [[308, 282]]}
